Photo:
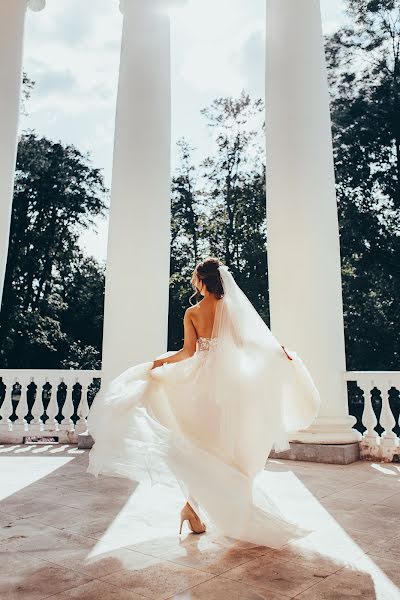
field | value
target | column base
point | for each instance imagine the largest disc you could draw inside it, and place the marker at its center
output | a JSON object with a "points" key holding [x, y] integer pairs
{"points": [[328, 430], [338, 454], [85, 441]]}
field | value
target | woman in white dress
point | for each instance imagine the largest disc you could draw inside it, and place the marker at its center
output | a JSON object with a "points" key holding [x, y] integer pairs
{"points": [[208, 415]]}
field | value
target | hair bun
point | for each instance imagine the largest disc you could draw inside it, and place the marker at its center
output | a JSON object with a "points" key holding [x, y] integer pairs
{"points": [[208, 273]]}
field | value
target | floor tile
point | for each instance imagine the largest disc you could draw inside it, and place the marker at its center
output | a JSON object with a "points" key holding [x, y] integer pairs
{"points": [[201, 552], [282, 576], [96, 590], [372, 491], [380, 568], [157, 579], [18, 530], [13, 506], [386, 548], [392, 501], [345, 584], [39, 582], [220, 588], [319, 562], [18, 562], [58, 516], [44, 542]]}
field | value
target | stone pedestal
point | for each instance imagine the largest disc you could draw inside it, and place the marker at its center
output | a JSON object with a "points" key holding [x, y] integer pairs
{"points": [[338, 454], [85, 441]]}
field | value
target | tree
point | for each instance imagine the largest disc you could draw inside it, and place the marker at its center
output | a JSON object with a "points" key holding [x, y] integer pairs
{"points": [[82, 319], [234, 185], [57, 194], [219, 207], [363, 67], [185, 239], [185, 206]]}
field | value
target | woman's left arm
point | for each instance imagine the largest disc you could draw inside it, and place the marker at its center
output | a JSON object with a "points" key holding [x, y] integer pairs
{"points": [[189, 344]]}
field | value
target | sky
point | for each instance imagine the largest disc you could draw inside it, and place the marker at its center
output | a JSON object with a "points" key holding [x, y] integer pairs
{"points": [[72, 53]]}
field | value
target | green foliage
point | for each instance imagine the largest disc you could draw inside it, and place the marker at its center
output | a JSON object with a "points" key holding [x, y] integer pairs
{"points": [[363, 67], [218, 207], [53, 296]]}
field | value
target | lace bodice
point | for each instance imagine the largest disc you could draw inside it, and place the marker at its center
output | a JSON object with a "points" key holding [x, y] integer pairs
{"points": [[205, 343]]}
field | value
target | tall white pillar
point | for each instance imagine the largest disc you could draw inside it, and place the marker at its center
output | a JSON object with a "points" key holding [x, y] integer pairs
{"points": [[137, 275], [12, 22], [303, 236]]}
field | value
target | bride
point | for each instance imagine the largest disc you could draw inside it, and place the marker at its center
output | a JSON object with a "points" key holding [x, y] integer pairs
{"points": [[208, 415]]}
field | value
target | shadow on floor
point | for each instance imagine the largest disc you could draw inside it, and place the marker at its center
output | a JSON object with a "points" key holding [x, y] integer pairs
{"points": [[65, 534]]}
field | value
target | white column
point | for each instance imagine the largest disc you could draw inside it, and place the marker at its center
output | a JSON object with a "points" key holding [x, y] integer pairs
{"points": [[303, 236], [12, 21], [137, 275]]}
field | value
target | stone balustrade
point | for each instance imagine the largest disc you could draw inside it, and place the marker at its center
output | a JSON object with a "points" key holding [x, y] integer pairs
{"points": [[374, 397], [56, 403], [45, 403]]}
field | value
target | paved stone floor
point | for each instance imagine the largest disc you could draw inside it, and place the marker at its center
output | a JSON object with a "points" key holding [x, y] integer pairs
{"points": [[66, 535]]}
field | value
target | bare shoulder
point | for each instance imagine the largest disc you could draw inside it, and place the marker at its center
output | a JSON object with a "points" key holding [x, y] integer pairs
{"points": [[193, 310], [193, 314], [190, 313]]}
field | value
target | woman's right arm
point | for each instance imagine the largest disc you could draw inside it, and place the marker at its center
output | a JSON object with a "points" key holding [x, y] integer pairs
{"points": [[189, 344]]}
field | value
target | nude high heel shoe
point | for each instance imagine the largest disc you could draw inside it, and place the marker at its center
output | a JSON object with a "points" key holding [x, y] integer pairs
{"points": [[195, 524]]}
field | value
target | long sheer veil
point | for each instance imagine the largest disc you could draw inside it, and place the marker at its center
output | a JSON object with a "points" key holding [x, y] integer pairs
{"points": [[255, 381]]}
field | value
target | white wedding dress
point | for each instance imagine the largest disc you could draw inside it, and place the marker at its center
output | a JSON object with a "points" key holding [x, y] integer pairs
{"points": [[210, 421]]}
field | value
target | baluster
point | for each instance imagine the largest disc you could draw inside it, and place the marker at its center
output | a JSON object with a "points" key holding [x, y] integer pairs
{"points": [[67, 423], [52, 407], [369, 445], [83, 408], [389, 440], [22, 407], [7, 408], [397, 386], [36, 425]]}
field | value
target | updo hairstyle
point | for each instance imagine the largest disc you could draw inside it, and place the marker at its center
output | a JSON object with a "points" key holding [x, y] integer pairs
{"points": [[207, 272]]}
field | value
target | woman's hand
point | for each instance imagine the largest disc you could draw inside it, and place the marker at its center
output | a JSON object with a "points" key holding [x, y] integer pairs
{"points": [[158, 363]]}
